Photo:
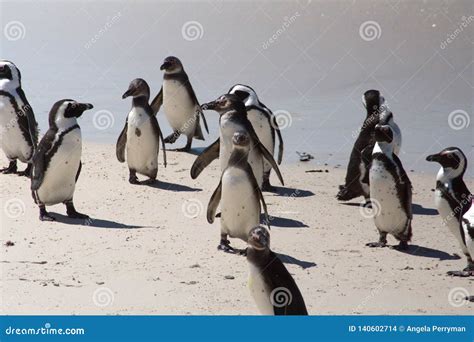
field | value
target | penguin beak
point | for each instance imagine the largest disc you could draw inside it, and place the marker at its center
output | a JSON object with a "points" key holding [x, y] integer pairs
{"points": [[129, 92], [209, 106], [77, 109], [434, 158], [165, 65]]}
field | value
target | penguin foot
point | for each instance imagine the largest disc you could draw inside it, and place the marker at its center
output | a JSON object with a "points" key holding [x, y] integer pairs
{"points": [[148, 181], [266, 186], [11, 168], [26, 172], [376, 244], [402, 246], [73, 213], [367, 204], [243, 252], [45, 216], [133, 180], [346, 194], [171, 139], [225, 247], [462, 273]]}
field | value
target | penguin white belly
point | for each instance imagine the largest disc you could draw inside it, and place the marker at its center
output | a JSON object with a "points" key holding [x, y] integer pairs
{"points": [[469, 216], [389, 215], [142, 145], [449, 220], [180, 110], [12, 140], [228, 128], [262, 127], [239, 205], [60, 178], [259, 291]]}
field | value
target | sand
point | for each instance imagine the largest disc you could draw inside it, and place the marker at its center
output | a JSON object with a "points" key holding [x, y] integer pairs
{"points": [[150, 250]]}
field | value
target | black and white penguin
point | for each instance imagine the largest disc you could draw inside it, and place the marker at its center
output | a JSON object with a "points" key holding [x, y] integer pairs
{"points": [[238, 194], [18, 126], [453, 200], [357, 175], [390, 191], [57, 161], [233, 118], [264, 124], [180, 103], [272, 287], [141, 135]]}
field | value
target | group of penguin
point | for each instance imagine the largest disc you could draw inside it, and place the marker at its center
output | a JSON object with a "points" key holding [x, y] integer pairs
{"points": [[245, 147]]}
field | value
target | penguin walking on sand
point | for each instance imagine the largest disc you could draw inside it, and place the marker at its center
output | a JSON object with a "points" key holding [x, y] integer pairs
{"points": [[264, 124], [18, 126], [141, 136], [272, 287], [238, 194], [233, 118], [57, 161], [453, 200], [357, 176], [180, 103], [390, 191]]}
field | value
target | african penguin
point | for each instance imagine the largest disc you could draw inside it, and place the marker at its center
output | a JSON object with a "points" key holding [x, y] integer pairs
{"points": [[141, 135], [233, 118], [453, 200], [390, 191], [264, 124], [238, 194], [57, 161], [357, 175], [18, 126], [180, 103], [272, 287]]}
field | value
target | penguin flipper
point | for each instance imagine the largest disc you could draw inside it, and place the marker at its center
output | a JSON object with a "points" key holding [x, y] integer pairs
{"points": [[280, 139], [258, 192], [201, 113], [214, 202], [157, 102], [205, 158], [39, 160], [268, 156], [121, 143], [30, 116], [197, 129], [158, 136], [79, 170]]}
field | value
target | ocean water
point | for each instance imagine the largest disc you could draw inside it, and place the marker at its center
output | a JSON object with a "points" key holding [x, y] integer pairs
{"points": [[309, 61]]}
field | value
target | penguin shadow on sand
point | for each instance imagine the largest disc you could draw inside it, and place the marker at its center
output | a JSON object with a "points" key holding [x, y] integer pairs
{"points": [[92, 222], [159, 184], [283, 222], [291, 192], [287, 259], [427, 252], [416, 208]]}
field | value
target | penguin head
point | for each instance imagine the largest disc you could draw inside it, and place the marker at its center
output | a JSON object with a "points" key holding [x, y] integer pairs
{"points": [[383, 133], [171, 65], [259, 238], [225, 103], [9, 73], [246, 94], [452, 159], [372, 100], [241, 139], [64, 113], [137, 88]]}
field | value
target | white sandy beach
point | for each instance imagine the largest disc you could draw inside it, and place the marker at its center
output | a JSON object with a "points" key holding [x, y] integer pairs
{"points": [[150, 250]]}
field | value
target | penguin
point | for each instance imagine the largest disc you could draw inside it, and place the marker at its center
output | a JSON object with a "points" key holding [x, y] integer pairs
{"points": [[453, 200], [141, 135], [390, 191], [272, 287], [180, 103], [18, 126], [57, 161], [357, 175], [238, 194], [233, 118], [264, 124]]}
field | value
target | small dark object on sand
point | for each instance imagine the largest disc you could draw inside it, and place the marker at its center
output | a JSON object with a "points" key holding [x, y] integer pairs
{"points": [[9, 243], [304, 157]]}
